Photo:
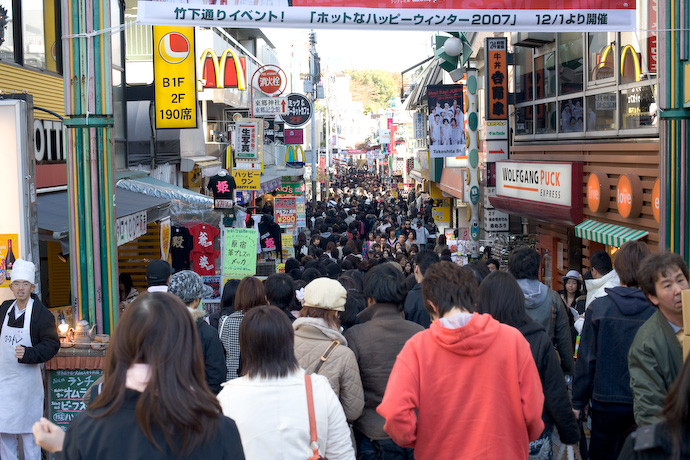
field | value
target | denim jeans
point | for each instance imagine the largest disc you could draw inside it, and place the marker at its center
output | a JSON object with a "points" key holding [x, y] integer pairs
{"points": [[609, 430], [384, 449]]}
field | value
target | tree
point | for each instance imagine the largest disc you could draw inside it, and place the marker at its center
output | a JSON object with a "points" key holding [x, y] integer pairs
{"points": [[374, 88]]}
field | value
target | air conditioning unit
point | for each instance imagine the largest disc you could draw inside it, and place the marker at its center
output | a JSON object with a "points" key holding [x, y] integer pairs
{"points": [[532, 39]]}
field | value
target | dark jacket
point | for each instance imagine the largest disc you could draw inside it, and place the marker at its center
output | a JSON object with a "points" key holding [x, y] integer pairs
{"points": [[42, 329], [546, 307], [376, 343], [118, 436], [654, 360], [214, 318], [557, 408], [611, 322], [414, 307], [653, 442], [214, 355]]}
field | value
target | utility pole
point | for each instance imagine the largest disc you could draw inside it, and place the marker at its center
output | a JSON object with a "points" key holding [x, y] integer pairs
{"points": [[315, 70]]}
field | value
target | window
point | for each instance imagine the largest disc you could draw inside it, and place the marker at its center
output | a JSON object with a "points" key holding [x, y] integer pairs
{"points": [[523, 120], [601, 112], [638, 108], [6, 31], [570, 57], [546, 118], [33, 30], [602, 55], [631, 59], [572, 116], [545, 73], [523, 75]]}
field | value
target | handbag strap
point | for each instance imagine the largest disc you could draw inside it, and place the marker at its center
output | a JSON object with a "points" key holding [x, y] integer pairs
{"points": [[314, 444], [326, 354]]}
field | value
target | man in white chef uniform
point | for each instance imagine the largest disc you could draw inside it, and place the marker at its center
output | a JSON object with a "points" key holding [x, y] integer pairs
{"points": [[28, 337]]}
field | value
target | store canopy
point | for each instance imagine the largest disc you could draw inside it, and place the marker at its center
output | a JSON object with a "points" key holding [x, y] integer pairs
{"points": [[53, 210], [153, 187], [609, 234], [452, 182]]}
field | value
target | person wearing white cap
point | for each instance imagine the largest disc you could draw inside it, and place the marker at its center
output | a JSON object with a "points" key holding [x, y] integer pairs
{"points": [[28, 337]]}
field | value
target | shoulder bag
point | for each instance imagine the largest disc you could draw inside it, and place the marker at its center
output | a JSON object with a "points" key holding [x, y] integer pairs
{"points": [[314, 443]]}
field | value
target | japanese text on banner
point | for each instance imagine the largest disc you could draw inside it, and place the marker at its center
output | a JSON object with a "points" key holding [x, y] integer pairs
{"points": [[239, 252]]}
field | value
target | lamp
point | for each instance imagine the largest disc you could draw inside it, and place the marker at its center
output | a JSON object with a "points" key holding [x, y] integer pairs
{"points": [[453, 46], [62, 326]]}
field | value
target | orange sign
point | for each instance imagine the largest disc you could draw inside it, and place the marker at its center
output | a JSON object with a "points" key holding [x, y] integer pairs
{"points": [[656, 199], [598, 192], [629, 196], [496, 78]]}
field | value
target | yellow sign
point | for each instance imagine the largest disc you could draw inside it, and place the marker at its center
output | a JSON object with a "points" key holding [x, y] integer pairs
{"points": [[288, 245], [247, 180], [441, 214], [174, 79], [165, 237]]}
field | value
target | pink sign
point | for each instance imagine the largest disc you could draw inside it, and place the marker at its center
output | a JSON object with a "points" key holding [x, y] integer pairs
{"points": [[294, 136]]}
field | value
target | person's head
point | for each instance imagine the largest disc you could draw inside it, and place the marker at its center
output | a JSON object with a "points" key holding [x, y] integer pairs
{"points": [[501, 297], [324, 298], [227, 299], [391, 233], [354, 304], [316, 240], [523, 263], [291, 264], [156, 330], [628, 259], [423, 261], [280, 289], [126, 284], [600, 263], [384, 283], [447, 286], [333, 270], [370, 236], [188, 286], [493, 265], [158, 272], [441, 239], [402, 238], [23, 279], [267, 341], [310, 274], [572, 282], [250, 294], [662, 277]]}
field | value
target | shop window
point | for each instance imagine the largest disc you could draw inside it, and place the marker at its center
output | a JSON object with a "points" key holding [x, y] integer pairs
{"points": [[545, 75], [523, 72], [524, 124], [602, 55], [601, 112], [630, 59], [570, 61], [546, 118], [638, 108], [33, 33], [6, 31], [572, 115]]}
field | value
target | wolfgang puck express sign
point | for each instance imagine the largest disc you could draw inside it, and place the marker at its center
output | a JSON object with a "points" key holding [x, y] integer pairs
{"points": [[539, 182]]}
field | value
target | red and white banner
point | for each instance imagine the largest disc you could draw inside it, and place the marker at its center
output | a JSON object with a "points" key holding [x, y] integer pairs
{"points": [[447, 15]]}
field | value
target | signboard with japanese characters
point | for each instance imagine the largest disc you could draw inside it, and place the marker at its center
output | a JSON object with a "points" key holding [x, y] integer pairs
{"points": [[496, 221], [131, 227], [267, 106], [285, 209], [247, 180], [418, 125], [66, 390], [239, 252], [496, 78], [247, 141], [390, 15], [299, 110], [446, 121]]}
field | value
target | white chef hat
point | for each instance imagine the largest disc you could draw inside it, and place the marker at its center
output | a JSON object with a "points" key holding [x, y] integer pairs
{"points": [[23, 270]]}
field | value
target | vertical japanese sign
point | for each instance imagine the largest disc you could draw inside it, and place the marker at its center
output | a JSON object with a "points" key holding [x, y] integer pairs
{"points": [[285, 209], [174, 79], [239, 252], [446, 121], [288, 245], [247, 141], [301, 212], [496, 78]]}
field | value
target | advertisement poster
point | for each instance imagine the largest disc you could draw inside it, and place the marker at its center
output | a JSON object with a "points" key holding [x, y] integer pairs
{"points": [[446, 121], [9, 244], [301, 212], [239, 252], [288, 245], [212, 304], [285, 209], [165, 237], [384, 15]]}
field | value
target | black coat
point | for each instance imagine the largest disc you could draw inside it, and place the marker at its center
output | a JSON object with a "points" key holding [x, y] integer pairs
{"points": [[214, 355], [557, 408], [43, 330], [654, 442], [414, 307], [118, 436]]}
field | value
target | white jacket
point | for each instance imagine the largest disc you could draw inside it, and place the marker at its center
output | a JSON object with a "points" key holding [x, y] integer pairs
{"points": [[596, 287], [273, 419]]}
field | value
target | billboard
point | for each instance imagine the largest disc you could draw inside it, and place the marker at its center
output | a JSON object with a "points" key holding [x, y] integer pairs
{"points": [[431, 15], [446, 121]]}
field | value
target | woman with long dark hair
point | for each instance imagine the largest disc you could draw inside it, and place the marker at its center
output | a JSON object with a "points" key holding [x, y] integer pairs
{"points": [[501, 297], [155, 403], [269, 401]]}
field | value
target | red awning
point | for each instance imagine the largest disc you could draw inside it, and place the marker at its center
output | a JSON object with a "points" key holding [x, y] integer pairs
{"points": [[451, 182]]}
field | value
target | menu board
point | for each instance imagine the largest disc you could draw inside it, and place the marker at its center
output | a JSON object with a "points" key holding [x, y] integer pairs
{"points": [[66, 390]]}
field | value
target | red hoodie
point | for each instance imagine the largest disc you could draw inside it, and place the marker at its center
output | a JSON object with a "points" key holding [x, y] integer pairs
{"points": [[472, 392]]}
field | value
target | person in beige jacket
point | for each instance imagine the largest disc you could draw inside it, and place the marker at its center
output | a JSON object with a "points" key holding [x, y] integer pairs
{"points": [[320, 347]]}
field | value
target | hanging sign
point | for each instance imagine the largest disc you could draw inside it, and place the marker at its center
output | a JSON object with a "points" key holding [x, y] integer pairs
{"points": [[446, 121], [496, 78], [247, 180], [247, 141], [420, 15], [131, 227], [174, 78], [165, 231], [299, 110], [239, 252], [285, 209]]}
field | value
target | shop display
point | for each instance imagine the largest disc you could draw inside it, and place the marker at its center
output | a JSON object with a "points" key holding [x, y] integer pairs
{"points": [[181, 245]]}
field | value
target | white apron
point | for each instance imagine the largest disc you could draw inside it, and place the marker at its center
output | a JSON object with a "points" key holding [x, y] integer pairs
{"points": [[21, 385]]}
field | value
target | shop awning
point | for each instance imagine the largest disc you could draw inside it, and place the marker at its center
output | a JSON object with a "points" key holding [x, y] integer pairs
{"points": [[416, 176], [53, 210], [209, 165], [451, 182], [157, 188], [609, 234]]}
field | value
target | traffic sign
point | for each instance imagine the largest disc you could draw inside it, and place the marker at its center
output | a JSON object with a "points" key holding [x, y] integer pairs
{"points": [[299, 110], [270, 106]]}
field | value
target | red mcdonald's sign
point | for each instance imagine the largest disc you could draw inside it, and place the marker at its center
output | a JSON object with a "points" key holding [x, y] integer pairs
{"points": [[227, 72]]}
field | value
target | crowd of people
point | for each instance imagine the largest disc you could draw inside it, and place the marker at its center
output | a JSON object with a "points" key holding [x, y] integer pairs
{"points": [[375, 345]]}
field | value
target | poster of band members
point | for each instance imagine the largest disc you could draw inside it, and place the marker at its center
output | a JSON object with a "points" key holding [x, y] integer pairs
{"points": [[446, 121]]}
